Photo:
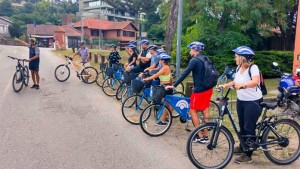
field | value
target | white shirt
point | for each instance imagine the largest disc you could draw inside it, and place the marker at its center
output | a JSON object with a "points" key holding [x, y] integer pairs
{"points": [[248, 94], [149, 55]]}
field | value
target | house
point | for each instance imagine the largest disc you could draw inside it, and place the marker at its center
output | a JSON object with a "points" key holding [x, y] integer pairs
{"points": [[45, 35], [121, 31], [4, 24]]}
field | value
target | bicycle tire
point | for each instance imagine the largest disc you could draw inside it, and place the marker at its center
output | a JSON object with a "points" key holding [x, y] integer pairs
{"points": [[190, 147], [92, 77], [26, 76], [127, 92], [100, 78], [110, 86], [295, 135], [134, 102], [150, 113], [120, 90], [17, 79], [66, 70]]}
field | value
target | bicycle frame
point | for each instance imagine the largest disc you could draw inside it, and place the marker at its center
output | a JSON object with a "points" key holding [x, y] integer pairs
{"points": [[265, 122]]}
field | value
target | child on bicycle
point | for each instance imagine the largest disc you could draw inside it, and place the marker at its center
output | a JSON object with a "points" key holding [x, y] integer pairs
{"points": [[165, 77], [249, 97]]}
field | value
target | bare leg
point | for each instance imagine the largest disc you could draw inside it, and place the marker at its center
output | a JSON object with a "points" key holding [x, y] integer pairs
{"points": [[37, 77], [164, 115], [206, 119], [33, 77]]}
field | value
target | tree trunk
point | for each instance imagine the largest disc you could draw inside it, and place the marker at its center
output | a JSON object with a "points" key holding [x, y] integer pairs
{"points": [[171, 26]]}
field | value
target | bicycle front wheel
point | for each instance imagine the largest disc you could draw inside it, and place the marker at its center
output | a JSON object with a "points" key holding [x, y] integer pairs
{"points": [[282, 139], [100, 78], [17, 82], [89, 75], [202, 155], [127, 92], [26, 76], [62, 73], [133, 107], [120, 91], [110, 86], [156, 120]]}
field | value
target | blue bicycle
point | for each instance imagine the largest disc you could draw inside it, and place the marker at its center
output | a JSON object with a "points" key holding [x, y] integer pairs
{"points": [[163, 109], [113, 82]]}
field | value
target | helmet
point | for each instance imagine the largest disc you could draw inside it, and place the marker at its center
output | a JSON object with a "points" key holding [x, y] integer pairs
{"points": [[131, 46], [112, 46], [160, 51], [82, 43], [164, 57], [145, 41], [245, 51], [197, 46], [33, 41], [238, 48], [132, 42], [152, 47]]}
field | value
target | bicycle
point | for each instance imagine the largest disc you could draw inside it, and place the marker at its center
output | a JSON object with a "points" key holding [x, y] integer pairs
{"points": [[101, 75], [21, 75], [154, 112], [88, 74], [125, 89], [219, 151], [113, 82]]}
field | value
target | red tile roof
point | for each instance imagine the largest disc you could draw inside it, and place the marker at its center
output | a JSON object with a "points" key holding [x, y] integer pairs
{"points": [[93, 23], [48, 30], [59, 29]]}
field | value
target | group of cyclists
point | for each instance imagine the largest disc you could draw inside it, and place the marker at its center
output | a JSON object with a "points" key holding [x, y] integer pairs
{"points": [[157, 62]]}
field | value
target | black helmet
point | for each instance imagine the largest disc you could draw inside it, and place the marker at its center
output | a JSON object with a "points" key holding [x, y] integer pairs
{"points": [[152, 47], [33, 41], [82, 43], [113, 46]]}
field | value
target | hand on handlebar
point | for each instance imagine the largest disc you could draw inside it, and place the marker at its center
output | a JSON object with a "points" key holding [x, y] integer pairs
{"points": [[169, 87]]}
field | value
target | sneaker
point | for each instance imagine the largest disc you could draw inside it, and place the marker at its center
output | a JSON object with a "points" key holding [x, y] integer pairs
{"points": [[204, 140], [37, 87], [196, 139], [33, 86], [160, 123], [243, 159], [238, 150]]}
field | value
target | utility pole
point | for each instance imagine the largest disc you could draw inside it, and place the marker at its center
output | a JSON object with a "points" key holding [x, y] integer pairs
{"points": [[81, 27], [99, 24], [178, 44]]}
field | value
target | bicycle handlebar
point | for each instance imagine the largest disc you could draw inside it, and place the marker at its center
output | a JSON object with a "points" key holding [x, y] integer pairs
{"points": [[17, 58], [68, 57]]}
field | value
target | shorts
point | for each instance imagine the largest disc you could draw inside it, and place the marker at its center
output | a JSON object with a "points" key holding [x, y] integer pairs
{"points": [[201, 101], [34, 65]]}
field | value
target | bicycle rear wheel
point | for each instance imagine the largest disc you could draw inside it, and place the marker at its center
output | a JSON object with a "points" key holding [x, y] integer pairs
{"points": [[205, 156], [133, 107], [288, 148], [62, 73], [89, 75], [151, 116], [110, 86], [17, 82], [26, 76]]}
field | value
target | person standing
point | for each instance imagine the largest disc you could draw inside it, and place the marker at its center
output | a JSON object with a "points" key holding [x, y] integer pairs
{"points": [[249, 97], [83, 51], [34, 63], [200, 98]]}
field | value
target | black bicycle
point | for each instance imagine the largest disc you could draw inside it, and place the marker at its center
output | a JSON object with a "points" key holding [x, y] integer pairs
{"points": [[21, 76], [277, 137]]}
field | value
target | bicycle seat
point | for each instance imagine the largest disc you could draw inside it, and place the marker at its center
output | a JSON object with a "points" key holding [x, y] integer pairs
{"points": [[268, 105]]}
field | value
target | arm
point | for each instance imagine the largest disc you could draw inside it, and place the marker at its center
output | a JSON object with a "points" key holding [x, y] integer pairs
{"points": [[152, 67], [252, 83], [186, 72], [133, 61], [118, 56], [144, 59], [161, 72], [37, 54]]}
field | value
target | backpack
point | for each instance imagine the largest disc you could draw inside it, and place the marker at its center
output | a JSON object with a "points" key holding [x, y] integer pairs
{"points": [[211, 74], [261, 85]]}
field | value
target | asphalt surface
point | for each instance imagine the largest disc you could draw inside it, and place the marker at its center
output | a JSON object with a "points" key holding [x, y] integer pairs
{"points": [[70, 125]]}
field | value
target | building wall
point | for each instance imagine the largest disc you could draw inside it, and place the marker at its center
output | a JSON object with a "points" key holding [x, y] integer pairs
{"points": [[4, 28]]}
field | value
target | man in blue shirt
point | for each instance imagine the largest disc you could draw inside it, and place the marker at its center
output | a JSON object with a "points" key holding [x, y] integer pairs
{"points": [[34, 63]]}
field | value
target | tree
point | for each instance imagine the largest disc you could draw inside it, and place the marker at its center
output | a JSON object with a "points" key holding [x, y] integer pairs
{"points": [[29, 7], [6, 8], [171, 25], [15, 30]]}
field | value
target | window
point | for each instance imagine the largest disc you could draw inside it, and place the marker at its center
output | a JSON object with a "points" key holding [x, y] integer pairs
{"points": [[118, 33], [95, 32], [128, 34], [2, 29]]}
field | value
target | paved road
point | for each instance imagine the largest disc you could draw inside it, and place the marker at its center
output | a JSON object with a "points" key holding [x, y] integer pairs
{"points": [[72, 125]]}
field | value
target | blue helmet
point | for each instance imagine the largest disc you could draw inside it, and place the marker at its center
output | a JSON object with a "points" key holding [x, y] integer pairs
{"points": [[160, 51], [238, 48], [145, 41], [152, 47], [133, 42], [164, 57], [245, 51], [131, 46], [197, 46]]}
